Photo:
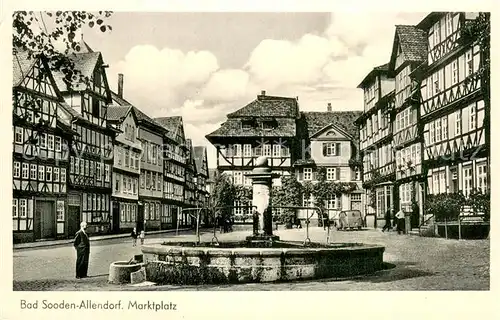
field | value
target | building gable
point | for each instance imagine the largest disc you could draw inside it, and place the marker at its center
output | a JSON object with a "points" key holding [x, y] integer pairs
{"points": [[331, 132]]}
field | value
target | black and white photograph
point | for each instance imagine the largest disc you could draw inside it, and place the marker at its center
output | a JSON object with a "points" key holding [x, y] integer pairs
{"points": [[249, 151]]}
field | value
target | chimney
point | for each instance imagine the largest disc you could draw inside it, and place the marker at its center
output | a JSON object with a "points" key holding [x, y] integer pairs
{"points": [[329, 107], [120, 85], [263, 93]]}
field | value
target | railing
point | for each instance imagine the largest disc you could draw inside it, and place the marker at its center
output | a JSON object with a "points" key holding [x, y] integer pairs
{"points": [[451, 94], [307, 240]]}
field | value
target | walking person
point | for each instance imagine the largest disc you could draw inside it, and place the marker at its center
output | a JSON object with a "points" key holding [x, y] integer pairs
{"points": [[387, 217], [142, 235], [82, 246], [400, 216], [134, 237]]}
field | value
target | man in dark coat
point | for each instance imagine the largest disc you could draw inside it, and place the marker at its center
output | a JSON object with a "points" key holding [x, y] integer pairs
{"points": [[82, 246]]}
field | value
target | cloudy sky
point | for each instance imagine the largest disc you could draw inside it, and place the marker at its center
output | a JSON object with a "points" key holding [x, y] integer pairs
{"points": [[205, 65]]}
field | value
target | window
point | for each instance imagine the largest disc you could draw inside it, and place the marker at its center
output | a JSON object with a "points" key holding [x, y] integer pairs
{"points": [[469, 63], [98, 171], [276, 150], [126, 158], [246, 125], [117, 183], [17, 169], [247, 150], [331, 174], [431, 133], [48, 174], [467, 181], [442, 182], [82, 167], [86, 167], [15, 213], [63, 175], [331, 149], [60, 210], [357, 174], [481, 177], [458, 123], [50, 142], [106, 173], [41, 173], [307, 202], [56, 175], [267, 125], [454, 72], [267, 150], [237, 148], [33, 172], [444, 125], [307, 173], [58, 144], [43, 141], [435, 81], [25, 171], [18, 136], [437, 33], [472, 113], [438, 130]]}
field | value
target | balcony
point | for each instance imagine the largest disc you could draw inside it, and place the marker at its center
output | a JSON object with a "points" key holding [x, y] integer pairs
{"points": [[447, 45], [468, 86]]}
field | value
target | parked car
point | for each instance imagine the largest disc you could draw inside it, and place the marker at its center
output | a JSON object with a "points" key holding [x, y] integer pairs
{"points": [[350, 219]]}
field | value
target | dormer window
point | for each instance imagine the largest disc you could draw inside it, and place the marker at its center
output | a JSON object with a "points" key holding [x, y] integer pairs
{"points": [[268, 124], [246, 124]]}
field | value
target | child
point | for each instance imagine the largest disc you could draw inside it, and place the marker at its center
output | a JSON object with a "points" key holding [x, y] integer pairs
{"points": [[134, 237], [142, 237]]}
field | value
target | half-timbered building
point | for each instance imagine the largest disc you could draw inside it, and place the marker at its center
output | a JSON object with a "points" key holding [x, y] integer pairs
{"points": [[174, 162], [126, 168], [40, 152], [91, 157], [330, 142], [452, 108], [264, 127], [201, 161], [409, 51], [190, 186], [376, 150]]}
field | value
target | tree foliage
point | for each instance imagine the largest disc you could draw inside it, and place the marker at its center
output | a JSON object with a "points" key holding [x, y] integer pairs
{"points": [[53, 35], [223, 194], [288, 194], [445, 205]]}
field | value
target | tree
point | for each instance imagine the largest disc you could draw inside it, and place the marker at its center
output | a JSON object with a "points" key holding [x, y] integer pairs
{"points": [[53, 35], [288, 194], [223, 194]]}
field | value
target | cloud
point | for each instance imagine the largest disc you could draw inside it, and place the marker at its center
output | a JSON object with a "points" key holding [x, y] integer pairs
{"points": [[318, 68]]}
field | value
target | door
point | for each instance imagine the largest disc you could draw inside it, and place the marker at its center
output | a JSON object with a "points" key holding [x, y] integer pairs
{"points": [[116, 217], [46, 212], [73, 220], [140, 217]]}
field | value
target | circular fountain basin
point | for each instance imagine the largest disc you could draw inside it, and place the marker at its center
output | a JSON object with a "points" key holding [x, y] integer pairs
{"points": [[120, 271], [242, 262]]}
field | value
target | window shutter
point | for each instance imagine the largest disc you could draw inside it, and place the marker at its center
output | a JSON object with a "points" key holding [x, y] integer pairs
{"points": [[337, 174], [301, 174], [337, 149], [314, 175], [324, 149]]}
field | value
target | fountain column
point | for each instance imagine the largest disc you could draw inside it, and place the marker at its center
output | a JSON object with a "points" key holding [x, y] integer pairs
{"points": [[262, 179]]}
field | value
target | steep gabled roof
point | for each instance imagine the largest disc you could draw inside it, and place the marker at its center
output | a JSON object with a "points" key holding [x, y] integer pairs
{"points": [[85, 63], [232, 128], [118, 113], [200, 153], [382, 69], [315, 121], [413, 44], [268, 106], [141, 116], [170, 123], [21, 66]]}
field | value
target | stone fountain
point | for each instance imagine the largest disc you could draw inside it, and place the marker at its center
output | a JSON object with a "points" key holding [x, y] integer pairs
{"points": [[262, 257]]}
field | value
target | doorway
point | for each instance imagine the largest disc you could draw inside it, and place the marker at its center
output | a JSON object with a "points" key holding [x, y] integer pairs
{"points": [[73, 220], [46, 218], [140, 217], [115, 227]]}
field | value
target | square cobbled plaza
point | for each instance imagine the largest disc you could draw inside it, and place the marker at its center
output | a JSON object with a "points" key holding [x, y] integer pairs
{"points": [[412, 263]]}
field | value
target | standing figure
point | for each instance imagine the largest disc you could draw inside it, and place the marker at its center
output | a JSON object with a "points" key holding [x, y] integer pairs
{"points": [[82, 246], [134, 237], [388, 221], [142, 235], [401, 221]]}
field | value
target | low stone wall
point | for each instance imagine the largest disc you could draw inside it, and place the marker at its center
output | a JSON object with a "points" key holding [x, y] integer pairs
{"points": [[199, 265]]}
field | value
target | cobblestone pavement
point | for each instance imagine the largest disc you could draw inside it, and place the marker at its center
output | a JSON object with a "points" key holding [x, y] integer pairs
{"points": [[416, 264]]}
